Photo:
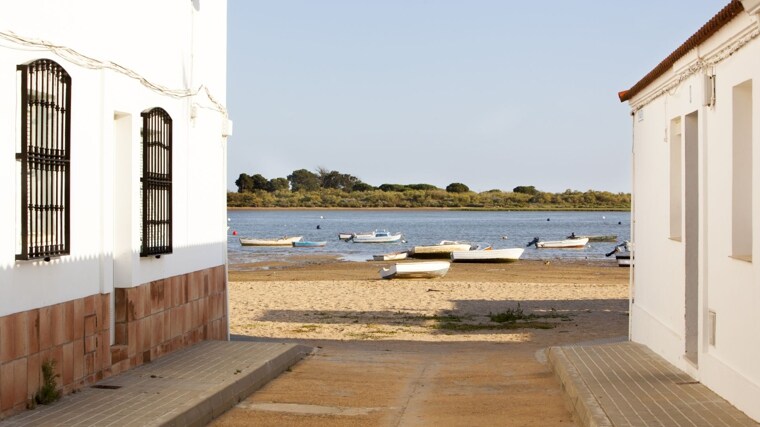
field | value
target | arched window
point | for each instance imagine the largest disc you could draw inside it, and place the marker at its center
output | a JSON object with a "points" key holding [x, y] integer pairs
{"points": [[156, 180], [44, 160]]}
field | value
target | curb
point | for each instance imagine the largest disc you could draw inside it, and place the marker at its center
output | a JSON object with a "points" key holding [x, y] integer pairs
{"points": [[236, 391], [582, 402]]}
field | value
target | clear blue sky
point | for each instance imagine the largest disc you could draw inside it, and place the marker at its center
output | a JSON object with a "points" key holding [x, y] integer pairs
{"points": [[490, 93]]}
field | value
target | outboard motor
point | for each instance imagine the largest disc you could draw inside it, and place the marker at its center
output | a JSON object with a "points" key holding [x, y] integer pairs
{"points": [[533, 242], [625, 245]]}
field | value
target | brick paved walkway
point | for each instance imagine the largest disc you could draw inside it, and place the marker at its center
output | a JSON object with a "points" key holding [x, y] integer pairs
{"points": [[626, 384], [186, 388]]}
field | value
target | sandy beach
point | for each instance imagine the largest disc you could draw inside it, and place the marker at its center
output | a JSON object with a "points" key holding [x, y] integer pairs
{"points": [[325, 299], [421, 352]]}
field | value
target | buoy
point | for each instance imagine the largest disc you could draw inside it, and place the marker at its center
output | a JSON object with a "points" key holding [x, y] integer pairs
{"points": [[234, 232], [604, 217], [548, 219]]}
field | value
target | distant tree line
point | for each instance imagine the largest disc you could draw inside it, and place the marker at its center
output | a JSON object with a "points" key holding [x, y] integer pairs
{"points": [[332, 189]]}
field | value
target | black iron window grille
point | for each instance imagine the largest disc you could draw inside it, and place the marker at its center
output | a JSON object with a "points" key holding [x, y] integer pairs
{"points": [[44, 160], [156, 181]]}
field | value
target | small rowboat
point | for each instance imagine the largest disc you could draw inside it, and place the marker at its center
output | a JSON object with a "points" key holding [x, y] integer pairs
{"points": [[281, 241], [393, 256], [560, 244], [415, 270], [491, 255], [308, 244]]}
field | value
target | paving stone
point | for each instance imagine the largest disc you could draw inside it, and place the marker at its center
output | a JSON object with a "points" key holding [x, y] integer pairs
{"points": [[626, 384], [186, 388]]}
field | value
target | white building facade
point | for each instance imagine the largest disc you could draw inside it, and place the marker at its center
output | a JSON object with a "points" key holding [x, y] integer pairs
{"points": [[113, 133], [696, 206]]}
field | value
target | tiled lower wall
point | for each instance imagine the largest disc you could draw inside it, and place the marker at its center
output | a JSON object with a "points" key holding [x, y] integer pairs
{"points": [[167, 315], [151, 320]]}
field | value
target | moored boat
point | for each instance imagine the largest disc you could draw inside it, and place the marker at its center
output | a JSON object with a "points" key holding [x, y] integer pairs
{"points": [[440, 250], [350, 235], [595, 238], [415, 270], [572, 243], [377, 236], [280, 241], [489, 255], [308, 244]]}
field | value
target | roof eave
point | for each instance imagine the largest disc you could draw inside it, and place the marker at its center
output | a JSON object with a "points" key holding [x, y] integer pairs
{"points": [[712, 26]]}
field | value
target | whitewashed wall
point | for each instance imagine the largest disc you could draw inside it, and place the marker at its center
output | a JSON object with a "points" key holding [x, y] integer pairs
{"points": [[729, 287], [178, 44]]}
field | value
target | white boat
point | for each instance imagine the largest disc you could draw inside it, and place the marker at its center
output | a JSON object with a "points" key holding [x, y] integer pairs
{"points": [[560, 244], [624, 259], [393, 256], [488, 255], [440, 250], [377, 236], [351, 235], [623, 254], [415, 270], [280, 241]]}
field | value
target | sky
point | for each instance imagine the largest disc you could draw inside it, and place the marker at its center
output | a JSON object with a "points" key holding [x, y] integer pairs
{"points": [[489, 93]]}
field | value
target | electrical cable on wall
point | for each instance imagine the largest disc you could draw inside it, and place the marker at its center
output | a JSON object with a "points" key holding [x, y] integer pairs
{"points": [[699, 65], [85, 61]]}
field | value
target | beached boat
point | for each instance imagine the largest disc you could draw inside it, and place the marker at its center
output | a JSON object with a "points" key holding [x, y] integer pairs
{"points": [[622, 254], [415, 270], [280, 241], [560, 244], [624, 259], [393, 256], [308, 244], [440, 250], [488, 255], [377, 236]]}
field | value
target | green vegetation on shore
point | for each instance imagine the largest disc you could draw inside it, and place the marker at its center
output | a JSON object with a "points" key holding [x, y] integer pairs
{"points": [[331, 189]]}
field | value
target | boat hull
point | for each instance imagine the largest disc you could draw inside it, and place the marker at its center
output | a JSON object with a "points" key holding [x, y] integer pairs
{"points": [[285, 241], [624, 260], [416, 270], [391, 256], [488, 256], [308, 244], [376, 239], [438, 251], [563, 244]]}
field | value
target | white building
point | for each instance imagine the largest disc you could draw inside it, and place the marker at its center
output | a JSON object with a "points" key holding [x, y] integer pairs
{"points": [[696, 203], [112, 204]]}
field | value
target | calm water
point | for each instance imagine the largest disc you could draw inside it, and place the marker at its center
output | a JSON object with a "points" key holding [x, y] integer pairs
{"points": [[501, 229]]}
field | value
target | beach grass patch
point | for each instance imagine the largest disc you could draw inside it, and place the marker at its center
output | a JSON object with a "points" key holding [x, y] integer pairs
{"points": [[468, 327], [512, 315], [306, 329]]}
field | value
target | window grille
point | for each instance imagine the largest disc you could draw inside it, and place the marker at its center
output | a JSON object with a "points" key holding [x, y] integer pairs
{"points": [[44, 160], [156, 183]]}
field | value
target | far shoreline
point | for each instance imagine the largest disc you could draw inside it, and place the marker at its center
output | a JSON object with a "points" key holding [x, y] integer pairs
{"points": [[460, 209]]}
